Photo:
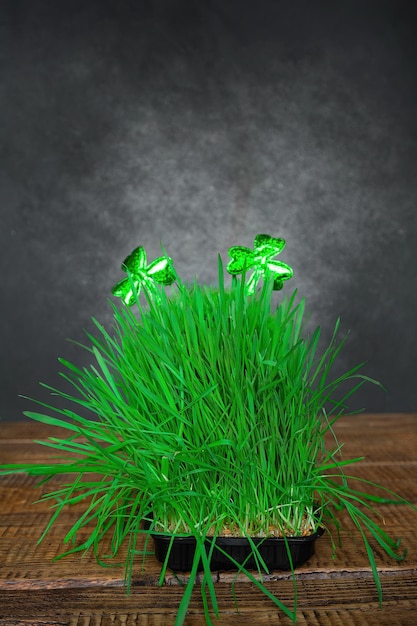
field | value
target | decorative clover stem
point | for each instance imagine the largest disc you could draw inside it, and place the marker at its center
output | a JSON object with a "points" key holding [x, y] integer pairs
{"points": [[141, 275], [261, 262]]}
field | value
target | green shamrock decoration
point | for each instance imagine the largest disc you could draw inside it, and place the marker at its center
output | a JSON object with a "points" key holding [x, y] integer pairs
{"points": [[261, 261], [159, 272]]}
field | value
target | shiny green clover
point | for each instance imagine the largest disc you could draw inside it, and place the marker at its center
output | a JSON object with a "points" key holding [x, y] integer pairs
{"points": [[141, 275], [261, 262]]}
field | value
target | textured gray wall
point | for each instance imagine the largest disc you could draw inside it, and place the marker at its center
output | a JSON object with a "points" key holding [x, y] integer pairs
{"points": [[198, 125]]}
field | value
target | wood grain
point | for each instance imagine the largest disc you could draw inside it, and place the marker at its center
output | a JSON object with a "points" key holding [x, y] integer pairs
{"points": [[76, 591]]}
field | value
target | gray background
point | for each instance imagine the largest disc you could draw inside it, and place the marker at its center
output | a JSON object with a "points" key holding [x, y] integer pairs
{"points": [[198, 125]]}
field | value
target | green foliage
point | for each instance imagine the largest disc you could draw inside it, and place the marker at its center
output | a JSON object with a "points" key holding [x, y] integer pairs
{"points": [[205, 412]]}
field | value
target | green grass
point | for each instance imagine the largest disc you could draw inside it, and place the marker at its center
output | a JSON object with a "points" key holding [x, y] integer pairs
{"points": [[206, 412]]}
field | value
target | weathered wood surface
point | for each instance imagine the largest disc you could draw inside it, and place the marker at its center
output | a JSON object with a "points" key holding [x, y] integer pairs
{"points": [[77, 591]]}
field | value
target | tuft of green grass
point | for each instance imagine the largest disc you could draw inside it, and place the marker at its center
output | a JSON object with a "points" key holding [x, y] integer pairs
{"points": [[205, 412]]}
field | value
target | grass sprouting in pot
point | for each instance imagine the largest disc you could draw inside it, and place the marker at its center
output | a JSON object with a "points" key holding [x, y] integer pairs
{"points": [[207, 412]]}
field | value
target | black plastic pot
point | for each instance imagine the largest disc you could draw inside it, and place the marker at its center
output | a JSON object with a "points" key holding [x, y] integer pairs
{"points": [[274, 551]]}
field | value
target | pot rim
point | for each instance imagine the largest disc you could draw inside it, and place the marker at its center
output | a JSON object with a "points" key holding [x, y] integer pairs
{"points": [[237, 541]]}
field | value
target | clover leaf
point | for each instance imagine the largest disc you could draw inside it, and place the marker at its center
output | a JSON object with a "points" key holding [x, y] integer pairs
{"points": [[261, 262], [141, 275]]}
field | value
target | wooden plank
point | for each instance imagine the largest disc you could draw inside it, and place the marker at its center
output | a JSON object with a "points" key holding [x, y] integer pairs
{"points": [[77, 591], [317, 600], [22, 560]]}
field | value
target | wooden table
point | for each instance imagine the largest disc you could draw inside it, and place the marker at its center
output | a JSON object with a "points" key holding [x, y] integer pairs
{"points": [[77, 591]]}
